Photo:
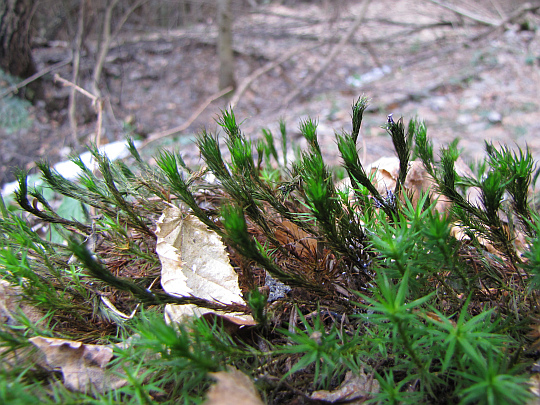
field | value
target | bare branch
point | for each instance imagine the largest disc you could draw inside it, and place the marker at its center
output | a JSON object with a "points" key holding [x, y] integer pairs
{"points": [[497, 6], [104, 48], [34, 77], [339, 46], [263, 69], [72, 107], [126, 15], [159, 135], [465, 13], [525, 8], [84, 92], [97, 103]]}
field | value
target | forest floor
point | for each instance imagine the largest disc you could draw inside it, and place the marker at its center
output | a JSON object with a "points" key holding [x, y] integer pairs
{"points": [[473, 76]]}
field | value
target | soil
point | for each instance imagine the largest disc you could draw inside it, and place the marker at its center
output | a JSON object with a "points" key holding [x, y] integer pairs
{"points": [[478, 81]]}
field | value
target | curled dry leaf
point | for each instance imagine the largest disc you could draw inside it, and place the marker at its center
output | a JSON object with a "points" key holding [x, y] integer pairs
{"points": [[194, 262], [11, 303], [355, 389], [437, 318], [386, 170], [232, 388], [290, 233], [534, 383], [83, 366]]}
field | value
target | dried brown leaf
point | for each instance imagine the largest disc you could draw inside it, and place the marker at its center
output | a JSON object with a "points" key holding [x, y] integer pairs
{"points": [[291, 234], [194, 262], [437, 318], [83, 366], [355, 389], [232, 388], [386, 171], [11, 303]]}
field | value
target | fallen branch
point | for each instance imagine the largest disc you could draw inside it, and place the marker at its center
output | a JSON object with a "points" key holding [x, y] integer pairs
{"points": [[465, 13], [525, 8], [496, 5], [209, 36], [34, 77], [428, 90], [159, 135], [330, 58], [266, 68]]}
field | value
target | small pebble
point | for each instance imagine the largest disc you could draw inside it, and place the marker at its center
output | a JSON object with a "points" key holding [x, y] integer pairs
{"points": [[494, 117]]}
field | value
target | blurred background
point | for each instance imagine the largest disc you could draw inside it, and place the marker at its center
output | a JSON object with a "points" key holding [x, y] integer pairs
{"points": [[161, 70]]}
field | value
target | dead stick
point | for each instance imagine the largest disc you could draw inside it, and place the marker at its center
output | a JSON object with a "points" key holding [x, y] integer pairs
{"points": [[159, 135], [65, 82], [72, 107], [126, 15], [99, 124], [465, 13], [310, 80], [97, 103], [262, 70], [497, 6], [104, 48], [525, 8], [34, 77]]}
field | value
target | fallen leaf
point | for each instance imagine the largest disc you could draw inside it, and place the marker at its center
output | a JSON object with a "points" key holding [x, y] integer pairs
{"points": [[230, 323], [291, 234], [355, 389], [11, 303], [534, 383], [385, 172], [194, 262], [437, 318], [83, 366], [232, 388]]}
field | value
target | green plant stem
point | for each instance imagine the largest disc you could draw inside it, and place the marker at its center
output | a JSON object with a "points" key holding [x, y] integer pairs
{"points": [[408, 346]]}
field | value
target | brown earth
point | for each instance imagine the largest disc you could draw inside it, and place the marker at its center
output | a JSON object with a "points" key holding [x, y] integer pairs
{"points": [[476, 80]]}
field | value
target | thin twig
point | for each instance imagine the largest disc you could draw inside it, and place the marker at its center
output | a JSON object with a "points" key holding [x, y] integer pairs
{"points": [[84, 92], [525, 8], [497, 6], [262, 70], [465, 13], [103, 51], [434, 86], [331, 57], [104, 48], [97, 103], [159, 135], [126, 15], [99, 124], [72, 107], [34, 77]]}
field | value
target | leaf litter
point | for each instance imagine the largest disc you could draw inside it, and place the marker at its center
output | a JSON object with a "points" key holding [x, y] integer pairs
{"points": [[195, 262]]}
